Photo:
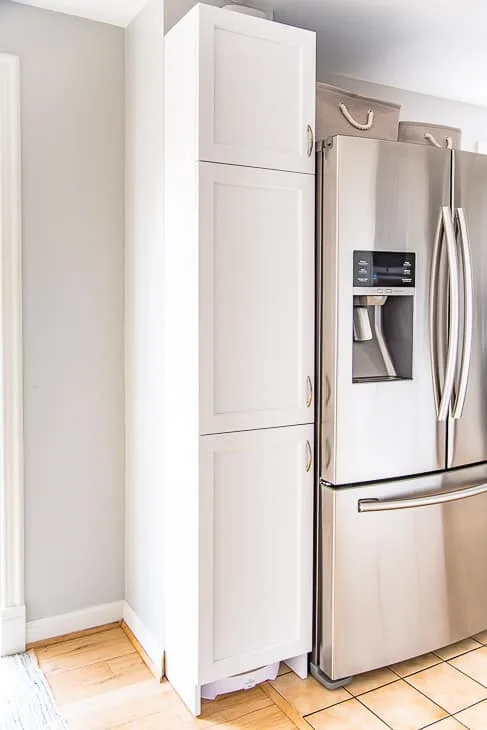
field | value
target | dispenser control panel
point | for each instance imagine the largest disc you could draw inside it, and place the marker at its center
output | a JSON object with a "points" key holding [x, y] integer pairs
{"points": [[384, 269]]}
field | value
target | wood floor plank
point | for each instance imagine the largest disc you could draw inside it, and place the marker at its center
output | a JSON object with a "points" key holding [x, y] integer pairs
{"points": [[73, 635], [268, 718], [101, 683], [95, 679], [158, 671], [144, 699], [83, 651]]}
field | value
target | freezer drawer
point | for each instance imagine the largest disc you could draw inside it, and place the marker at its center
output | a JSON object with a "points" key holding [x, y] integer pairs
{"points": [[403, 569]]}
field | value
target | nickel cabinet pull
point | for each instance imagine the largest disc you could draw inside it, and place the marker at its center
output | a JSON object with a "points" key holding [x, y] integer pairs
{"points": [[309, 392], [311, 140], [327, 453], [328, 390], [309, 456]]}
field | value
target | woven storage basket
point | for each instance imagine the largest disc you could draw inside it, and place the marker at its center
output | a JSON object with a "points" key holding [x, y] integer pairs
{"points": [[434, 134], [341, 112]]}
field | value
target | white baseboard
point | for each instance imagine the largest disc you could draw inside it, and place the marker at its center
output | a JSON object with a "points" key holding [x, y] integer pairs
{"points": [[68, 623], [12, 630], [146, 638]]}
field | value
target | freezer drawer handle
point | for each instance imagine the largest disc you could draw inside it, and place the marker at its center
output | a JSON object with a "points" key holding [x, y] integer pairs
{"points": [[467, 312], [379, 505]]}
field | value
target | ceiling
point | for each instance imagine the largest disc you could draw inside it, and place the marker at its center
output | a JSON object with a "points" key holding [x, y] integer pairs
{"points": [[430, 46], [116, 12]]}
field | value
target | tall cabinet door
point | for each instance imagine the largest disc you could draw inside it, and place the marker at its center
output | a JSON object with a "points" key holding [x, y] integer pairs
{"points": [[256, 517], [468, 431], [256, 91], [256, 298]]}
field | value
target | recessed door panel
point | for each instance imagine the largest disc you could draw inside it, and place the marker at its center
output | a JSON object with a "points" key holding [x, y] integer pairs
{"points": [[257, 298], [257, 92], [256, 496]]}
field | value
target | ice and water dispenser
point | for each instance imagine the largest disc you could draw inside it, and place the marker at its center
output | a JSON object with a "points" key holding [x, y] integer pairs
{"points": [[383, 309]]}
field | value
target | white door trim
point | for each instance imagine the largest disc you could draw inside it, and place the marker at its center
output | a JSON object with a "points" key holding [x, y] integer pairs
{"points": [[12, 610]]}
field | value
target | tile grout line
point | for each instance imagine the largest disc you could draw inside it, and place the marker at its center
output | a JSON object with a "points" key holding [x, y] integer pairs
{"points": [[417, 671], [291, 712], [437, 722], [441, 706], [462, 653], [322, 709], [425, 695], [466, 675], [374, 713], [368, 691]]}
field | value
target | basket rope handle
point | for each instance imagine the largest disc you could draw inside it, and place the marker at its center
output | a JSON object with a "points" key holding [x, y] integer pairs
{"points": [[448, 142], [353, 122]]}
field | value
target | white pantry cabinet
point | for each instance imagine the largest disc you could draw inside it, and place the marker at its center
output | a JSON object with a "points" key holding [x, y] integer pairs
{"points": [[238, 347], [256, 298], [256, 548], [250, 83]]}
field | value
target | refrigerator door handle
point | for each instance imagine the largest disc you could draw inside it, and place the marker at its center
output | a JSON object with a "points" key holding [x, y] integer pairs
{"points": [[433, 314], [454, 284], [467, 313], [379, 505]]}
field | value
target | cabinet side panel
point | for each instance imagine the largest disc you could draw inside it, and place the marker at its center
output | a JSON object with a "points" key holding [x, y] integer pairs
{"points": [[181, 363]]}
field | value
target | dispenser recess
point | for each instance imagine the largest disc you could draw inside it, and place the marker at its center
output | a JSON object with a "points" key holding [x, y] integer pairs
{"points": [[383, 315]]}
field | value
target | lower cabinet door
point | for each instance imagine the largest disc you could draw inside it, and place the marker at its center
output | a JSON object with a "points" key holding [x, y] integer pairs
{"points": [[256, 517]]}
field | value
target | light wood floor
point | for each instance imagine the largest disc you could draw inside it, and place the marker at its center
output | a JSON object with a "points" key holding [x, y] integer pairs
{"points": [[101, 683]]}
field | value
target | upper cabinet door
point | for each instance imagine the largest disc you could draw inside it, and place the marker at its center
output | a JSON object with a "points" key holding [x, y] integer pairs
{"points": [[256, 91], [256, 298]]}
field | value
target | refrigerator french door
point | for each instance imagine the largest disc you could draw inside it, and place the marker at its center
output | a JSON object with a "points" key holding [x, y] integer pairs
{"points": [[402, 488], [468, 426]]}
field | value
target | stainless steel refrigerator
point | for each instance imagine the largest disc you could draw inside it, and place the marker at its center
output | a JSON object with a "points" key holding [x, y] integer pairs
{"points": [[401, 539]]}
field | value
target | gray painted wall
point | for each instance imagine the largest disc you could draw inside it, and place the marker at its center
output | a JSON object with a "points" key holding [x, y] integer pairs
{"points": [[175, 9], [73, 158]]}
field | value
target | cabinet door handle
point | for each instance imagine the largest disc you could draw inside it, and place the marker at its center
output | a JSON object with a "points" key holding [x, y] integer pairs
{"points": [[309, 392], [327, 453], [311, 139], [328, 390], [309, 456]]}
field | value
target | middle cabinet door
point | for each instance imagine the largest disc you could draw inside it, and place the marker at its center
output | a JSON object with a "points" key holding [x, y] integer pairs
{"points": [[256, 236]]}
